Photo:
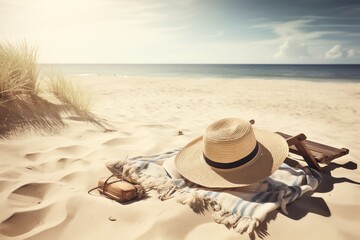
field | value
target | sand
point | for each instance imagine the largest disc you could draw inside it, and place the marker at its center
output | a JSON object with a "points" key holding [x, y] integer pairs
{"points": [[44, 178]]}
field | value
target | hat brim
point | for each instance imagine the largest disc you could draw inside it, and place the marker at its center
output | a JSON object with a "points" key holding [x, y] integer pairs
{"points": [[273, 150]]}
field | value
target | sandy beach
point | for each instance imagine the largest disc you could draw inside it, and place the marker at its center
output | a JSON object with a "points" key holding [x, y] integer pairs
{"points": [[44, 179]]}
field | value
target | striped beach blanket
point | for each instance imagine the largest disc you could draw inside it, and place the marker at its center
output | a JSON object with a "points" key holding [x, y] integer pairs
{"points": [[239, 208]]}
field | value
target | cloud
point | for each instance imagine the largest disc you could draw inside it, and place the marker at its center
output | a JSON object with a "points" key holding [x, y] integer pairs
{"points": [[295, 39], [295, 29], [291, 28], [292, 49], [351, 53], [335, 52], [338, 52]]}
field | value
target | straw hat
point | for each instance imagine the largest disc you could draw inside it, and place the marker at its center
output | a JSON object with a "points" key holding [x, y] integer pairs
{"points": [[231, 154]]}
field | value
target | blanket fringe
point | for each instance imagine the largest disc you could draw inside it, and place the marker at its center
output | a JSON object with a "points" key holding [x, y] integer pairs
{"points": [[167, 189], [222, 216], [132, 173], [282, 202]]}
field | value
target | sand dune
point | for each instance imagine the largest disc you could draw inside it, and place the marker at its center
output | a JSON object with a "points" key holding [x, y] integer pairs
{"points": [[44, 179]]}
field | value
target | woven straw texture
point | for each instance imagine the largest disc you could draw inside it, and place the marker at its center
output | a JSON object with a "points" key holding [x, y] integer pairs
{"points": [[226, 141]]}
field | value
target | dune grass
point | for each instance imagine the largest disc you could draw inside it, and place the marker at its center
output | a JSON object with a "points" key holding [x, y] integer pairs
{"points": [[19, 76], [68, 92], [22, 102], [18, 70]]}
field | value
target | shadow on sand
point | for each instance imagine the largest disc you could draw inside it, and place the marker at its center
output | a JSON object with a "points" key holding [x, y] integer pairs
{"points": [[302, 206], [308, 203]]}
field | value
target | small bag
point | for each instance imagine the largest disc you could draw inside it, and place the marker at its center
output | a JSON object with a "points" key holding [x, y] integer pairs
{"points": [[119, 190]]}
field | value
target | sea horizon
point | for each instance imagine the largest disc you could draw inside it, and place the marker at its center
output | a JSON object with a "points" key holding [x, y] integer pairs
{"points": [[312, 72]]}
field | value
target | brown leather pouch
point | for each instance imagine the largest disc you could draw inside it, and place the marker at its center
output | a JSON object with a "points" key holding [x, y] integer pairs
{"points": [[119, 190]]}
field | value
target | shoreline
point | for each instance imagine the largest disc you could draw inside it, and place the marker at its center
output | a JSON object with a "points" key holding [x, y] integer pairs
{"points": [[177, 78], [320, 72], [325, 80]]}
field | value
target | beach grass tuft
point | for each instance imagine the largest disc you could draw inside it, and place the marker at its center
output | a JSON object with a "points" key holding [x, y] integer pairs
{"points": [[68, 92], [18, 70], [22, 102]]}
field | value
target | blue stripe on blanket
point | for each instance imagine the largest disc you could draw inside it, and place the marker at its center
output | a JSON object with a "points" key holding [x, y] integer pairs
{"points": [[143, 161], [271, 197], [295, 192], [254, 202], [282, 187], [235, 209]]}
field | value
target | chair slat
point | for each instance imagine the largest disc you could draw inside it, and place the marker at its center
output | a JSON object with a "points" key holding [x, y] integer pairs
{"points": [[321, 152]]}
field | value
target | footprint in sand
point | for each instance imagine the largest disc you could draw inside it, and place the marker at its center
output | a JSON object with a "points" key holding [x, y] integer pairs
{"points": [[59, 166], [117, 141], [24, 196], [26, 224], [59, 152], [34, 208]]}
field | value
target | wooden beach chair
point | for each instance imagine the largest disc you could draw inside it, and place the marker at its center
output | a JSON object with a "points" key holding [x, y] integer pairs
{"points": [[312, 152]]}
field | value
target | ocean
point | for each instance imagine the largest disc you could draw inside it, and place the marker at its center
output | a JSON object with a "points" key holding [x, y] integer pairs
{"points": [[321, 72]]}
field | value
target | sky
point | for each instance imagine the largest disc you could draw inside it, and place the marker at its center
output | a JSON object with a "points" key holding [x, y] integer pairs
{"points": [[186, 31]]}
